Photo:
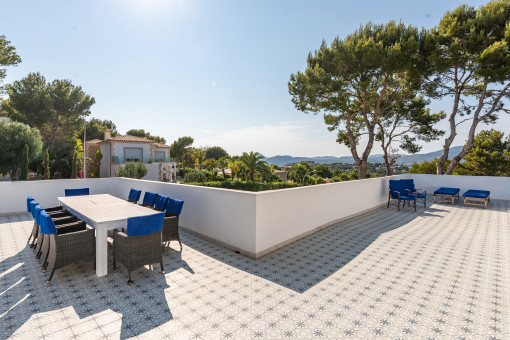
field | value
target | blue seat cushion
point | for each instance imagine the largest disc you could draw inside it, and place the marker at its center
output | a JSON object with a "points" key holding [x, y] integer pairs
{"points": [[149, 198], [407, 198], [420, 195], [174, 206], [477, 193], [145, 225], [76, 192], [134, 195], [446, 191]]}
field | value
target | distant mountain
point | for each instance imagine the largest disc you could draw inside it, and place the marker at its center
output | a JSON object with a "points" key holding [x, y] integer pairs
{"points": [[405, 159]]}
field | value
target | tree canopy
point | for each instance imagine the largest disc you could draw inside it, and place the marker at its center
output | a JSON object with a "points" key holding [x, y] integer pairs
{"points": [[57, 109], [468, 60], [14, 137], [215, 152], [255, 164], [180, 149], [8, 57], [357, 81], [489, 156], [96, 127], [142, 133]]}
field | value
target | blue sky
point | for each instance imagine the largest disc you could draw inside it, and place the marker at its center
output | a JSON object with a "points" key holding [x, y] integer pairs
{"points": [[213, 70]]}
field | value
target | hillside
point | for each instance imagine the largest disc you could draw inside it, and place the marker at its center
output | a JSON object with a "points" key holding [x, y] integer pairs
{"points": [[405, 159]]}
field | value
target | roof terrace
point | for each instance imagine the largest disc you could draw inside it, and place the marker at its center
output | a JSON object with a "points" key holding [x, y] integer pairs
{"points": [[442, 272]]}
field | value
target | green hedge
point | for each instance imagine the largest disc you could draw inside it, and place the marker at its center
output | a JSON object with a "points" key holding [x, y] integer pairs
{"points": [[247, 186]]}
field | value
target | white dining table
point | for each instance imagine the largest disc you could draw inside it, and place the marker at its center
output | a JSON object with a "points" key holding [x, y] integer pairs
{"points": [[103, 212]]}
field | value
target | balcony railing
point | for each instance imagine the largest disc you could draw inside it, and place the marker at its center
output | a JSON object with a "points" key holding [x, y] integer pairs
{"points": [[162, 160]]}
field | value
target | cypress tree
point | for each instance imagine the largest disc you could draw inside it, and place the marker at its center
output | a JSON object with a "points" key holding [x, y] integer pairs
{"points": [[74, 169], [23, 176], [46, 165]]}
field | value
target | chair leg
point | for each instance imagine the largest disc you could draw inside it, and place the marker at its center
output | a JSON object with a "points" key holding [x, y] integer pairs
{"points": [[399, 204], [414, 205], [51, 276], [130, 282], [161, 264], [180, 243]]}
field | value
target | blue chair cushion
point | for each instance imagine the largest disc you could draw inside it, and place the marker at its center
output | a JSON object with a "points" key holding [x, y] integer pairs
{"points": [[29, 198], [149, 198], [174, 206], [408, 184], [77, 192], [47, 225], [161, 201], [134, 195], [446, 191], [145, 225], [477, 193], [33, 203], [407, 198], [397, 185]]}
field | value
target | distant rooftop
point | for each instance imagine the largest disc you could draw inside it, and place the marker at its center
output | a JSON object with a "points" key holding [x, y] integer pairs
{"points": [[128, 138]]}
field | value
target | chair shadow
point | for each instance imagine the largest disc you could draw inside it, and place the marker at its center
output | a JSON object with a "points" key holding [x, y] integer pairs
{"points": [[308, 261], [25, 294]]}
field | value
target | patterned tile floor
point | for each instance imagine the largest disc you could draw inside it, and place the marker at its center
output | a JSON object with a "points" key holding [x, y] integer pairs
{"points": [[440, 273]]}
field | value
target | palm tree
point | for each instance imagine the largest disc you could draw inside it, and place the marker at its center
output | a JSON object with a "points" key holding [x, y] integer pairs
{"points": [[222, 163], [255, 164], [198, 157]]}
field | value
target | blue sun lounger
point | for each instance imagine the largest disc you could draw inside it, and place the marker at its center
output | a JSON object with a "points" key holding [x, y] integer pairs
{"points": [[451, 193], [477, 196]]}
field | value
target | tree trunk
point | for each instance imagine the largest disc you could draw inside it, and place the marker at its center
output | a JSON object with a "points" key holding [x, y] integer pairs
{"points": [[362, 171], [386, 162]]}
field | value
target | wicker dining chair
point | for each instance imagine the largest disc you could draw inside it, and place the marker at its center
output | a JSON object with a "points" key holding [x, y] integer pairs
{"points": [[77, 192], [67, 248], [161, 201], [171, 224], [140, 245], [57, 214], [149, 199], [134, 195]]}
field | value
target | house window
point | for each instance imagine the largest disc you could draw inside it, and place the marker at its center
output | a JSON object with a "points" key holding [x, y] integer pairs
{"points": [[159, 156], [133, 154]]}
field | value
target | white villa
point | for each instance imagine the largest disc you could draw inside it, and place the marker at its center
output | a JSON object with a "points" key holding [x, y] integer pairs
{"points": [[121, 149]]}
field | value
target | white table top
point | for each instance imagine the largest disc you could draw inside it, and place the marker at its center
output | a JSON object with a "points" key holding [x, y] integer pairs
{"points": [[104, 208]]}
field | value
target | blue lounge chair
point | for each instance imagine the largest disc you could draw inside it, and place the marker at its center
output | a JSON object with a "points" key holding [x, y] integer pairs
{"points": [[161, 201], [477, 196], [77, 192], [446, 192], [399, 193], [134, 195], [149, 199], [420, 196]]}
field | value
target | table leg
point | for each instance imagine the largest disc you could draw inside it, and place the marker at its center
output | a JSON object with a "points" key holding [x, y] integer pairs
{"points": [[101, 251]]}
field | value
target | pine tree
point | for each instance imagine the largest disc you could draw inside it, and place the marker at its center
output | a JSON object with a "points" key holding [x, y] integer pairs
{"points": [[23, 176]]}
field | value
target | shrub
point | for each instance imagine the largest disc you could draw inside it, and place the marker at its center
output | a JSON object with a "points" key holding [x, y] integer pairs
{"points": [[195, 176], [132, 170], [23, 176], [247, 185]]}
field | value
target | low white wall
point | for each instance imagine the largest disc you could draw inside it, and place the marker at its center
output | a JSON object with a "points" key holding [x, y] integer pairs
{"points": [[227, 216], [284, 214], [498, 186], [13, 195]]}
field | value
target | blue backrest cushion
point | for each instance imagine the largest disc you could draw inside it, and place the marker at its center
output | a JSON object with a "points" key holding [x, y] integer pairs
{"points": [[47, 224], [37, 214], [29, 198], [396, 185], [145, 225], [77, 192], [408, 184], [33, 203], [134, 195], [174, 206], [161, 201], [149, 198]]}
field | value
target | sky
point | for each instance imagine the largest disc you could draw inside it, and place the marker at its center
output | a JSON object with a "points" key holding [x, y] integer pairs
{"points": [[213, 70]]}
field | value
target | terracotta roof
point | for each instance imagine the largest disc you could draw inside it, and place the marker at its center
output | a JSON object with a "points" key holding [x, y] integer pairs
{"points": [[159, 145], [128, 138], [93, 141]]}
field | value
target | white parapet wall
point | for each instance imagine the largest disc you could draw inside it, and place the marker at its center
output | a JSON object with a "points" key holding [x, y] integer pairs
{"points": [[253, 223], [13, 195]]}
